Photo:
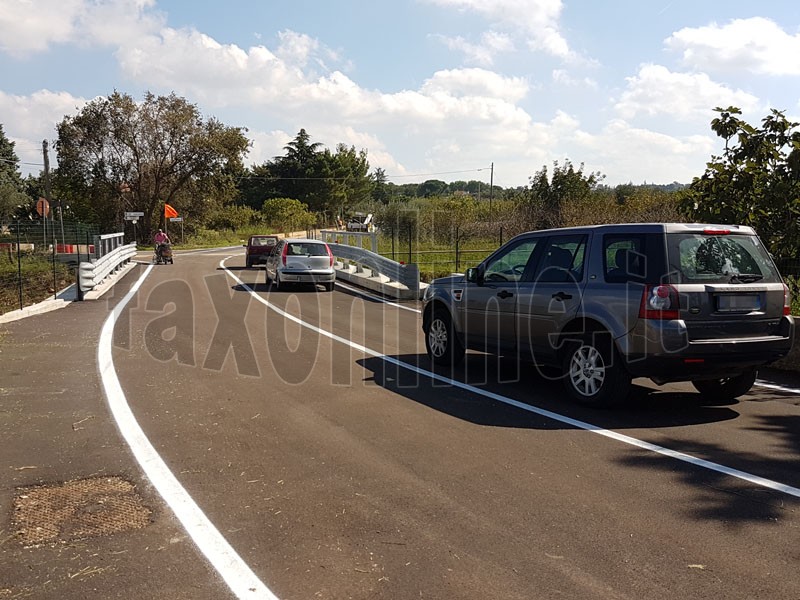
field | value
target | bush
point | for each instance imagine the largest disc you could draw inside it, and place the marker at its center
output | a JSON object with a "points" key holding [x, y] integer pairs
{"points": [[794, 289]]}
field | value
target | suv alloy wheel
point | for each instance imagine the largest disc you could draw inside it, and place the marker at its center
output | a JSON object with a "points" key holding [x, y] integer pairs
{"points": [[441, 342], [593, 374]]}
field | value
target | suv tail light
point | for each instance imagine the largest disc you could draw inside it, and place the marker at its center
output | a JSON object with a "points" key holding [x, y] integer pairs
{"points": [[787, 300], [659, 302], [712, 231], [330, 254], [284, 252]]}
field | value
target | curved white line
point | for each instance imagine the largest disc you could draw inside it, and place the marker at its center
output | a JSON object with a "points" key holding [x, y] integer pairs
{"points": [[233, 570], [699, 462]]}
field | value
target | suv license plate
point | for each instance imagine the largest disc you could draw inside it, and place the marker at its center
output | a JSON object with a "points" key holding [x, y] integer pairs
{"points": [[738, 302]]}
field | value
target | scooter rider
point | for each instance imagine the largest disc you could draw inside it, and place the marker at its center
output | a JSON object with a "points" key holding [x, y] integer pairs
{"points": [[160, 238]]}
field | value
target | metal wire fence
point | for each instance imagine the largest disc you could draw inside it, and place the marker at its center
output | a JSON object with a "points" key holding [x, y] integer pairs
{"points": [[38, 258], [789, 267]]}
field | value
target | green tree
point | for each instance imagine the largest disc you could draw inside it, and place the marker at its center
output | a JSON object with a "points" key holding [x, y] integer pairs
{"points": [[287, 215], [350, 183], [257, 184], [755, 182], [380, 189], [431, 187], [329, 183], [117, 155], [302, 172], [544, 202], [13, 199], [233, 218]]}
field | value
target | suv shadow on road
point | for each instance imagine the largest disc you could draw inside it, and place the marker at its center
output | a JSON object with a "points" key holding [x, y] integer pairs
{"points": [[646, 408], [739, 501]]}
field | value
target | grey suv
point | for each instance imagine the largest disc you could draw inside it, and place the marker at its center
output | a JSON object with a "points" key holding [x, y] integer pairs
{"points": [[607, 303]]}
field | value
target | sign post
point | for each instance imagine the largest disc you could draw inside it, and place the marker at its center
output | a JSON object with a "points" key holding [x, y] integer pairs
{"points": [[178, 220], [134, 217]]}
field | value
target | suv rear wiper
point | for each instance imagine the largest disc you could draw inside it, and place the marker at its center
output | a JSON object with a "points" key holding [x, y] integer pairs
{"points": [[746, 278]]}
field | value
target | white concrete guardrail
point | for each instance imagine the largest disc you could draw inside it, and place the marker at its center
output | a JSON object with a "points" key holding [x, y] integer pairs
{"points": [[92, 274], [370, 270]]}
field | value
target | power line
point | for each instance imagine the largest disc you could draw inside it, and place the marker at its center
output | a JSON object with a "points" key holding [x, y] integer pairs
{"points": [[19, 162], [348, 177], [439, 173]]}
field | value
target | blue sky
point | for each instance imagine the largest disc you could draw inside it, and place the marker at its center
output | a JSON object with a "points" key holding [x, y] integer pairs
{"points": [[430, 88]]}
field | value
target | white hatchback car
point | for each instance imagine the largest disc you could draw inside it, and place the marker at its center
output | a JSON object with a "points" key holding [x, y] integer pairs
{"points": [[301, 260]]}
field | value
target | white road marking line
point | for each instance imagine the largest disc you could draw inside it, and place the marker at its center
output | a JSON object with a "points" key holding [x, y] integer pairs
{"points": [[234, 571], [774, 386], [693, 460], [378, 298]]}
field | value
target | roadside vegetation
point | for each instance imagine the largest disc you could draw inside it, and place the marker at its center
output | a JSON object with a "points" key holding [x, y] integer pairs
{"points": [[40, 279], [118, 155]]}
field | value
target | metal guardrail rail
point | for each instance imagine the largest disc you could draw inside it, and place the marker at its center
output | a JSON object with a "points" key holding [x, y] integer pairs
{"points": [[92, 274], [405, 275]]}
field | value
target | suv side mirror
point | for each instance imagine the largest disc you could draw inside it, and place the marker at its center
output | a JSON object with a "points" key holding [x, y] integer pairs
{"points": [[475, 275]]}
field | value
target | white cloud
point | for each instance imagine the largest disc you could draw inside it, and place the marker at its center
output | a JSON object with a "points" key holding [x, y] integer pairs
{"points": [[218, 75], [757, 45], [30, 119], [642, 155], [476, 82], [656, 90], [536, 20], [562, 77], [266, 145], [492, 43], [34, 25], [192, 62]]}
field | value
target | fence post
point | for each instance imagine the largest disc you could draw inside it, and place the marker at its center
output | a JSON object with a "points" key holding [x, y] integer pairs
{"points": [[458, 261], [19, 269], [394, 258], [55, 281], [409, 245], [501, 235]]}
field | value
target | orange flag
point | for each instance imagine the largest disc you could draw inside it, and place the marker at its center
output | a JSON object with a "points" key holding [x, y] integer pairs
{"points": [[169, 212]]}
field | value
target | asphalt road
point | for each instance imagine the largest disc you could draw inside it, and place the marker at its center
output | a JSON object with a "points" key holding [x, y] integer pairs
{"points": [[334, 472]]}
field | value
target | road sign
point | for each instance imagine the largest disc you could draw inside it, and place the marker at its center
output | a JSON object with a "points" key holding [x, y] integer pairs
{"points": [[43, 207], [176, 219], [129, 216]]}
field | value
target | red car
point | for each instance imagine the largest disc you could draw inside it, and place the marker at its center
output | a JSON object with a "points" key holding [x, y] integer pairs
{"points": [[258, 248]]}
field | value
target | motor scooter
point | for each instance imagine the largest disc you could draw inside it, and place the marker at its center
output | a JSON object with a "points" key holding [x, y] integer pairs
{"points": [[163, 254]]}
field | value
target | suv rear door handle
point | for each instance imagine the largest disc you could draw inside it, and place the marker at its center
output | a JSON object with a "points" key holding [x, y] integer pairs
{"points": [[562, 296], [505, 294]]}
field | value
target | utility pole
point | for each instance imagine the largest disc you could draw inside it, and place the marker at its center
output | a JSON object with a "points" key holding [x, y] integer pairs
{"points": [[47, 193], [491, 188], [46, 171], [46, 189]]}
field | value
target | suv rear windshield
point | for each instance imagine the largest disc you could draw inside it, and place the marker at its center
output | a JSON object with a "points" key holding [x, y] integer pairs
{"points": [[702, 258]]}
